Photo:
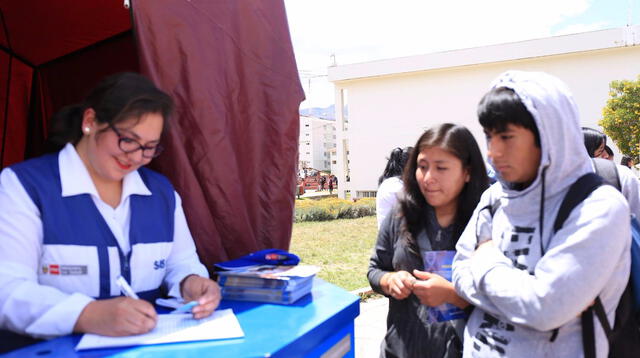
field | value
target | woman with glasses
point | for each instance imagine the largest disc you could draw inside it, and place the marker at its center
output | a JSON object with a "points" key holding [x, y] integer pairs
{"points": [[73, 222]]}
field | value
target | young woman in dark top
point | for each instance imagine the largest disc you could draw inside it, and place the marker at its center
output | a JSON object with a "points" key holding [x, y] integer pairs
{"points": [[443, 180]]}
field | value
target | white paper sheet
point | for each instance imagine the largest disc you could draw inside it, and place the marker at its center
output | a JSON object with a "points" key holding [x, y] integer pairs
{"points": [[172, 328]]}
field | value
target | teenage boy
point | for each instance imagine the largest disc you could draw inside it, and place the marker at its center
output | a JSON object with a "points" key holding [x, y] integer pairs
{"points": [[528, 283]]}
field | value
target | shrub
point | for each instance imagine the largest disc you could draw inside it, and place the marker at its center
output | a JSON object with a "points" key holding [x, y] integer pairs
{"points": [[621, 116], [333, 208]]}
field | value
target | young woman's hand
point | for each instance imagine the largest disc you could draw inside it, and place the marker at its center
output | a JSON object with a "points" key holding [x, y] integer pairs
{"points": [[432, 289], [398, 284], [120, 316], [202, 290]]}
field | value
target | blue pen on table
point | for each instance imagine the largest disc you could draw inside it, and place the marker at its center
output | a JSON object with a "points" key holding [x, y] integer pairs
{"points": [[125, 288], [185, 308]]}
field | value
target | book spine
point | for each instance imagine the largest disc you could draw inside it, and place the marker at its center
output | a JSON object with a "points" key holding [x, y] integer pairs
{"points": [[234, 281], [264, 295]]}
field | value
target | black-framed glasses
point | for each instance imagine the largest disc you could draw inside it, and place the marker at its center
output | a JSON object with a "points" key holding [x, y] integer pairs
{"points": [[130, 145]]}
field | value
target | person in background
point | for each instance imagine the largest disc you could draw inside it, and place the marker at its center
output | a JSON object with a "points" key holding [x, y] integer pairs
{"points": [[73, 221], [529, 283], [443, 181], [627, 161], [609, 153], [595, 144], [330, 184], [390, 182]]}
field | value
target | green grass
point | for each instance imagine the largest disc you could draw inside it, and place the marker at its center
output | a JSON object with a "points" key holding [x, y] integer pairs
{"points": [[340, 247]]}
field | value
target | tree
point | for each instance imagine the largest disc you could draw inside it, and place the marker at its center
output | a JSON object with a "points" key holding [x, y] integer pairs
{"points": [[621, 116]]}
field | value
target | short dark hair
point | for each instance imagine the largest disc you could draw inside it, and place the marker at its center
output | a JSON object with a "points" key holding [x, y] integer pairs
{"points": [[395, 163], [458, 141], [593, 139], [500, 107], [609, 151], [116, 98], [625, 161]]}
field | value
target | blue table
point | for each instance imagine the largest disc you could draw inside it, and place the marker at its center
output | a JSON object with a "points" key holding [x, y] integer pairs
{"points": [[320, 323]]}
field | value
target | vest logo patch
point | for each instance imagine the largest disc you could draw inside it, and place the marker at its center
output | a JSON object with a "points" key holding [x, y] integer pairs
{"points": [[64, 270], [158, 264]]}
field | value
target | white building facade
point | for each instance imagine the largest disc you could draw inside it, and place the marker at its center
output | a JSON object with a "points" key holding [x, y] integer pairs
{"points": [[317, 138], [391, 102]]}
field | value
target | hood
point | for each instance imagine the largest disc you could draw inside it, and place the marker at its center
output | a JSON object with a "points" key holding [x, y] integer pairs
{"points": [[563, 157]]}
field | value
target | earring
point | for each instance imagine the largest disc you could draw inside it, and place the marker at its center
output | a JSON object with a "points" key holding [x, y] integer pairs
{"points": [[87, 130]]}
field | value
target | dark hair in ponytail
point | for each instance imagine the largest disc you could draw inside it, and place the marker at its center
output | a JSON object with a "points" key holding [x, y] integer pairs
{"points": [[395, 164], [116, 98]]}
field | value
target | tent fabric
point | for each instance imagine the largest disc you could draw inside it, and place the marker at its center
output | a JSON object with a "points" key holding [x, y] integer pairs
{"points": [[51, 54], [15, 100], [229, 65], [40, 31], [233, 145]]}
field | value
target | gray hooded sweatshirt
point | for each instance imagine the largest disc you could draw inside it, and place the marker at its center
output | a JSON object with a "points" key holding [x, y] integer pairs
{"points": [[520, 294]]}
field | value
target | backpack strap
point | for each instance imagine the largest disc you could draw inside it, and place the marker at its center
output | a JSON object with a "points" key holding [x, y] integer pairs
{"points": [[588, 335], [608, 171], [576, 194], [598, 308], [578, 191]]}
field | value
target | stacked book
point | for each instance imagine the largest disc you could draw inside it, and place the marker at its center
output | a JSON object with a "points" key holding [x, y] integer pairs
{"points": [[267, 283]]}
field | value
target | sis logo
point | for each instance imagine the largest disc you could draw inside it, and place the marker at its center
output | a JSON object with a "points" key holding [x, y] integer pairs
{"points": [[158, 264]]}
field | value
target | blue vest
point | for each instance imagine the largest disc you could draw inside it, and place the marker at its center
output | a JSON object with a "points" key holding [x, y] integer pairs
{"points": [[79, 251]]}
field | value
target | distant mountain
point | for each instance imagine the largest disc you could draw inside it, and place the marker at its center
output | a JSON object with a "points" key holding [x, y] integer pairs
{"points": [[324, 113]]}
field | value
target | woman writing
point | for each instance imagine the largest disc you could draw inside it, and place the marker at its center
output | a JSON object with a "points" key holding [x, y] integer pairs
{"points": [[73, 221], [443, 180]]}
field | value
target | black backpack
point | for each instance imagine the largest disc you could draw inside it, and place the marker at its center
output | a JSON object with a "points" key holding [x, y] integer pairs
{"points": [[624, 337]]}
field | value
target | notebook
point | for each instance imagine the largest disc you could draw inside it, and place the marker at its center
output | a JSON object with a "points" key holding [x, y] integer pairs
{"points": [[172, 328]]}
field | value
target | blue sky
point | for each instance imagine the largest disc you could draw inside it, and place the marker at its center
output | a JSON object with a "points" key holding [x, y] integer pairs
{"points": [[609, 13], [367, 30]]}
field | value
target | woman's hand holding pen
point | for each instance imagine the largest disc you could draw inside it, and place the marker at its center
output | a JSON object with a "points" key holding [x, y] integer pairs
{"points": [[202, 290], [398, 284], [120, 316]]}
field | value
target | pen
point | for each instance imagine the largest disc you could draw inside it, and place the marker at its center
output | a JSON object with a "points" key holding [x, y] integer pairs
{"points": [[125, 288], [186, 307]]}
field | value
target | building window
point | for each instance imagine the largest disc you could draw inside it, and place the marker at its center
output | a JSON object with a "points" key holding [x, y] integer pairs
{"points": [[333, 162], [366, 194]]}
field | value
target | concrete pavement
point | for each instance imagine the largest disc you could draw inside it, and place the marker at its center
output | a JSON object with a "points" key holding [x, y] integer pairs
{"points": [[370, 327]]}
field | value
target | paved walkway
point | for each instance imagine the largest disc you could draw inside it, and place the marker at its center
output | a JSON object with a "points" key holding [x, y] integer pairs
{"points": [[370, 327], [318, 194]]}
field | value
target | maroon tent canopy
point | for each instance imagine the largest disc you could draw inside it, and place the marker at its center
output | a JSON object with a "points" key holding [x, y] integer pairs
{"points": [[229, 66]]}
